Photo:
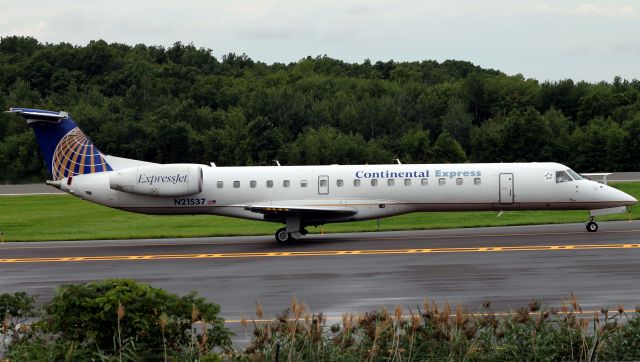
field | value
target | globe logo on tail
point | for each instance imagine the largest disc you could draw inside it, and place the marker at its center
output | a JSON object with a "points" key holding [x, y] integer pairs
{"points": [[75, 154]]}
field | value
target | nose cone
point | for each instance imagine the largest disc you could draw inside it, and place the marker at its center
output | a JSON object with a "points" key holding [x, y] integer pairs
{"points": [[621, 198]]}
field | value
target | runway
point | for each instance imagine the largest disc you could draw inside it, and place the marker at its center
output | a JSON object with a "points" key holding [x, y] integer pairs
{"points": [[355, 272]]}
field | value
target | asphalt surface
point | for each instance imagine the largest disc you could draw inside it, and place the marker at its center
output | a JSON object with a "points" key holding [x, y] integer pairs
{"points": [[355, 272]]}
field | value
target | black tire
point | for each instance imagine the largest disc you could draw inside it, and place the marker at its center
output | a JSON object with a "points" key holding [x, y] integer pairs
{"points": [[592, 227], [282, 236]]}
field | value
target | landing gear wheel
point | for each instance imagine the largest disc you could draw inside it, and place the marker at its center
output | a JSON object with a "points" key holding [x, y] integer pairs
{"points": [[592, 227], [282, 236]]}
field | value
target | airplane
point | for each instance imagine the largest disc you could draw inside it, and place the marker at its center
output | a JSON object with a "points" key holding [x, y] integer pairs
{"points": [[304, 196]]}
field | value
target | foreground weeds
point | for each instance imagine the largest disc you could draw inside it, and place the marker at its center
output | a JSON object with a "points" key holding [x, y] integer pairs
{"points": [[434, 333], [121, 320]]}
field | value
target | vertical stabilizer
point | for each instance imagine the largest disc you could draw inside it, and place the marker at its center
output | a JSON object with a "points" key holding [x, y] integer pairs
{"points": [[67, 150]]}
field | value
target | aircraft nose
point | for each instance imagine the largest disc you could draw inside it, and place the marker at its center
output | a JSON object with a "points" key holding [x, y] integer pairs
{"points": [[623, 198]]}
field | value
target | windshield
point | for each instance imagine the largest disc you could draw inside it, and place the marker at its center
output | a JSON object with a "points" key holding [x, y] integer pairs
{"points": [[574, 174]]}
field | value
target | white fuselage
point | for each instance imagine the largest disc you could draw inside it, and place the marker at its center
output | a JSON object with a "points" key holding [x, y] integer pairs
{"points": [[371, 191]]}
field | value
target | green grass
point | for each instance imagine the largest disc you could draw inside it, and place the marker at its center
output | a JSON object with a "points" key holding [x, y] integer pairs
{"points": [[64, 217]]}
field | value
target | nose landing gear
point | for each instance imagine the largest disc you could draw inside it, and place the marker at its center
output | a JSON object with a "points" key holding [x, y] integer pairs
{"points": [[592, 226]]}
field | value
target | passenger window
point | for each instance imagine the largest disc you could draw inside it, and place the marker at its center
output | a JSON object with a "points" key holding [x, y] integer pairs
{"points": [[442, 181], [323, 183], [303, 183], [220, 184], [391, 182], [374, 182], [459, 181], [236, 184], [407, 182], [286, 183], [253, 184], [339, 183], [477, 181], [424, 181], [356, 182], [269, 183], [562, 176]]}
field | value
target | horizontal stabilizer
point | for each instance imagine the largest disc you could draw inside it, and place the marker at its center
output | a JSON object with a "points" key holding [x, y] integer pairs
{"points": [[35, 115]]}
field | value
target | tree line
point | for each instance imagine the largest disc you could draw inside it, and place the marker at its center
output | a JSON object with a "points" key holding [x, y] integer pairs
{"points": [[182, 104]]}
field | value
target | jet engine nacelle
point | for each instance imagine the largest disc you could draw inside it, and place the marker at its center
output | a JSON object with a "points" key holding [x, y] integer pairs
{"points": [[173, 180]]}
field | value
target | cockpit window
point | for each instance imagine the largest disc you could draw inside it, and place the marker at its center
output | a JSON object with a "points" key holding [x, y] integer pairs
{"points": [[575, 175], [562, 176]]}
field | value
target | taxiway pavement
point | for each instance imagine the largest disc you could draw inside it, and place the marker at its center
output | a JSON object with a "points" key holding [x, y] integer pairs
{"points": [[355, 272]]}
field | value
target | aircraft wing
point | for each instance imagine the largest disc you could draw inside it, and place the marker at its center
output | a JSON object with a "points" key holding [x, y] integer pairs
{"points": [[306, 212]]}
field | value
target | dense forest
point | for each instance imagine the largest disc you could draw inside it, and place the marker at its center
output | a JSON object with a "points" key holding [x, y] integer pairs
{"points": [[182, 104]]}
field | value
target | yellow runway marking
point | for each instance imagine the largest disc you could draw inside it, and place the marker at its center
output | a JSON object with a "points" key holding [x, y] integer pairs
{"points": [[273, 254]]}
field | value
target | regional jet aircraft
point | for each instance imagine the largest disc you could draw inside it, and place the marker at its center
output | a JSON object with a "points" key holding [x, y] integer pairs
{"points": [[302, 196]]}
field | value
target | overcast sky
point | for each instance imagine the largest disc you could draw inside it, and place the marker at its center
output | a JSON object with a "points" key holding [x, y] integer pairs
{"points": [[546, 40]]}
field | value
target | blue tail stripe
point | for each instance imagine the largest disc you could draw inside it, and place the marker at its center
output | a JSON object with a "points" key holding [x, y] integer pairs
{"points": [[67, 151]]}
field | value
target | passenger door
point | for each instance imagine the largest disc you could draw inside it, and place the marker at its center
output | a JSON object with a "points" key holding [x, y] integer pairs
{"points": [[506, 188]]}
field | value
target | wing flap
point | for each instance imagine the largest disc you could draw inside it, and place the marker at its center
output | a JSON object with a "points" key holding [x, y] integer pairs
{"points": [[303, 211]]}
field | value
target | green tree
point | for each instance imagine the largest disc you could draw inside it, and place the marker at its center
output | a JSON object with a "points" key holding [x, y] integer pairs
{"points": [[415, 146], [631, 147], [457, 122], [599, 146], [447, 150], [327, 146]]}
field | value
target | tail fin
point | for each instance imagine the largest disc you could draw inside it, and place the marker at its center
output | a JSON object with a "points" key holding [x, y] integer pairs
{"points": [[67, 151]]}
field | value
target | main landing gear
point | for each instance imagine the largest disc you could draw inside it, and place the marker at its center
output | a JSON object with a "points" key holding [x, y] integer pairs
{"points": [[592, 227], [294, 230], [282, 236]]}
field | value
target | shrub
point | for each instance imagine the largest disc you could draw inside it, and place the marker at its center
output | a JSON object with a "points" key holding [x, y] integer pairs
{"points": [[15, 309], [120, 317]]}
